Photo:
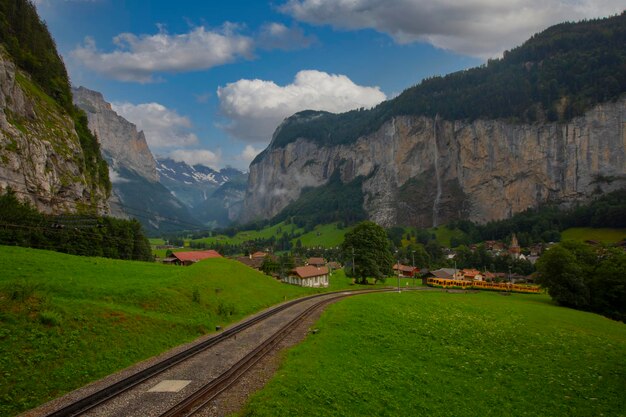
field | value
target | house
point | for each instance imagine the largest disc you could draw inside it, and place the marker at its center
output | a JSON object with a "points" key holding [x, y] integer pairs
{"points": [[334, 265], [405, 270], [472, 274], [258, 255], [188, 258], [319, 262], [489, 276], [308, 276], [447, 273]]}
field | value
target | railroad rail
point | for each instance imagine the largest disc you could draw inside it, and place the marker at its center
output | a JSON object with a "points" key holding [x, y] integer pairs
{"points": [[97, 398], [204, 395]]}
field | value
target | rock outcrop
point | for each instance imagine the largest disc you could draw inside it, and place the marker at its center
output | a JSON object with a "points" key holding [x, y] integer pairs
{"points": [[120, 142], [137, 191], [424, 171], [41, 157]]}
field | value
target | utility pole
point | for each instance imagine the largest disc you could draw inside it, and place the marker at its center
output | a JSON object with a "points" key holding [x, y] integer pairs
{"points": [[398, 258], [413, 272], [353, 262]]}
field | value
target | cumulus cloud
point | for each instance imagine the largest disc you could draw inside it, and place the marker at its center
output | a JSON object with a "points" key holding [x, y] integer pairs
{"points": [[197, 157], [248, 154], [278, 36], [137, 58], [255, 108], [483, 28], [164, 128], [115, 177]]}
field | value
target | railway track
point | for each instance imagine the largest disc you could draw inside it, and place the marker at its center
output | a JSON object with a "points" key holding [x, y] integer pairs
{"points": [[191, 404]]}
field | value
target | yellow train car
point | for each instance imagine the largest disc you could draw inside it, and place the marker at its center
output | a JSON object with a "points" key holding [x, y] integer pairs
{"points": [[482, 285]]}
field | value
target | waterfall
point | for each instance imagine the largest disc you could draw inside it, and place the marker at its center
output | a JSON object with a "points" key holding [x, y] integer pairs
{"points": [[437, 176]]}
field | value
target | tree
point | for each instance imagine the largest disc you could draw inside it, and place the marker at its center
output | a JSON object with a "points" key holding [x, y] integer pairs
{"points": [[560, 272], [372, 257]]}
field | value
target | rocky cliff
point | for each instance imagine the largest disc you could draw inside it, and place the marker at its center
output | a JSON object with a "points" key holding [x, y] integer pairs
{"points": [[137, 191], [41, 157], [120, 141], [425, 171]]}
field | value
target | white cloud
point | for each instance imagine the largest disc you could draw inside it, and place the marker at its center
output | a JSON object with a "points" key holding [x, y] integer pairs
{"points": [[483, 28], [248, 154], [115, 177], [197, 156], [256, 107], [137, 58], [278, 36], [164, 128]]}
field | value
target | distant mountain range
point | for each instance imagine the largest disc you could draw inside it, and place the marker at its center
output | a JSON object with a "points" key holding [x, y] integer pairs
{"points": [[163, 194], [213, 197]]}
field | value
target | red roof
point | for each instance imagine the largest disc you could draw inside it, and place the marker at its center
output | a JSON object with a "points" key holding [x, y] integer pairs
{"points": [[310, 271], [317, 261], [196, 256], [470, 272], [403, 268]]}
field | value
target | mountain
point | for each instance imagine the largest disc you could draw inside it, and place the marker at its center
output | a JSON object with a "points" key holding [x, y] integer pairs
{"points": [[137, 191], [47, 154], [543, 124], [214, 197]]}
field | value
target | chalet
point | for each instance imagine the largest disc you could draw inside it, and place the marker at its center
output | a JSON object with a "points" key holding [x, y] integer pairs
{"points": [[447, 273], [188, 258], [259, 254], [405, 270], [308, 276], [333, 266], [472, 274], [318, 262]]}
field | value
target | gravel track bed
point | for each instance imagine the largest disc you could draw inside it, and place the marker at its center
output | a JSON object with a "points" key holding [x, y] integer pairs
{"points": [[199, 369], [236, 396]]}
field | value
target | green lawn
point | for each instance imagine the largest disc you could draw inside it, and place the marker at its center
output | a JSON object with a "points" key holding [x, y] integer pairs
{"points": [[589, 233], [445, 354], [326, 235], [244, 236], [68, 320]]}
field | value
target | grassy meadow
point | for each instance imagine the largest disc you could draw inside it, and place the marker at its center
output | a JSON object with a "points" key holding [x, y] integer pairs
{"points": [[68, 320], [604, 235], [452, 354], [326, 235]]}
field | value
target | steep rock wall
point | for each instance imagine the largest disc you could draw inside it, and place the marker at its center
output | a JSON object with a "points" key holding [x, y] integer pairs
{"points": [[422, 171], [40, 153], [120, 141]]}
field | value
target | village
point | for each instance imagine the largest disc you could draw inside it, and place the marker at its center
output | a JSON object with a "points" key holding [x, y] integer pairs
{"points": [[314, 271]]}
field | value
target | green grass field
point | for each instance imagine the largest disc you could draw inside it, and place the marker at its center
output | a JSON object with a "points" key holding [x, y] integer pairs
{"points": [[68, 320], [444, 354], [327, 236], [589, 233], [244, 236]]}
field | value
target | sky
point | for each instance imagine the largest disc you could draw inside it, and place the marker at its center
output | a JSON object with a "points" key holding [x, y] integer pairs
{"points": [[209, 81]]}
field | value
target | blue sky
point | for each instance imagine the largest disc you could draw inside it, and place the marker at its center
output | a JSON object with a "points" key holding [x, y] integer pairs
{"points": [[209, 81]]}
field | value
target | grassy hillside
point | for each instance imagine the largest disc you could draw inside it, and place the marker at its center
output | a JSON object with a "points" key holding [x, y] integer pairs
{"points": [[247, 235], [604, 235], [441, 354], [325, 235], [67, 320]]}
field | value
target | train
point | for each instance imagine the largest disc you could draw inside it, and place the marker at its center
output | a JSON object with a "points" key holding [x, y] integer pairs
{"points": [[482, 285]]}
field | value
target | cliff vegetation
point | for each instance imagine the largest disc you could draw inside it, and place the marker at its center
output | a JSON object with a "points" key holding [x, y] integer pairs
{"points": [[556, 75], [29, 43]]}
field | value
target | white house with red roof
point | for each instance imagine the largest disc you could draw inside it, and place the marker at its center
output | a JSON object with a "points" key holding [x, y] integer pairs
{"points": [[308, 276]]}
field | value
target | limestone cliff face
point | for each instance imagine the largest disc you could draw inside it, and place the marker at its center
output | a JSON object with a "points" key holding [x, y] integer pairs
{"points": [[120, 141], [40, 153], [422, 171]]}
